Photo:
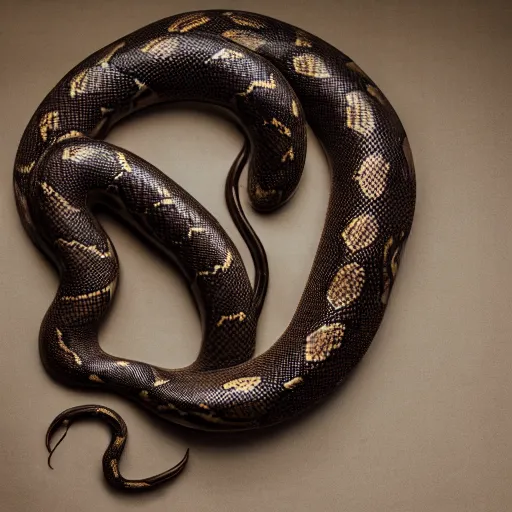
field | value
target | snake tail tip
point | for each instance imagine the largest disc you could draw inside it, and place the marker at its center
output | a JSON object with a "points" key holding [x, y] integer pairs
{"points": [[51, 430]]}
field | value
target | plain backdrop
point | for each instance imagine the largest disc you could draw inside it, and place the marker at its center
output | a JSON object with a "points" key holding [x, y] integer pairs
{"points": [[424, 422]]}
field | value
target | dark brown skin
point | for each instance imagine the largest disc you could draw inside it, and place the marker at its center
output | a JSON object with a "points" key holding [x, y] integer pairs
{"points": [[274, 78]]}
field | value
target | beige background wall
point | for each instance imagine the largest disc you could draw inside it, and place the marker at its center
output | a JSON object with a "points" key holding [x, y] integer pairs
{"points": [[424, 423]]}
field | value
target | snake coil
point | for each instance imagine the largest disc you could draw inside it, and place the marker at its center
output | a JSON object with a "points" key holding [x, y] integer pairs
{"points": [[274, 77]]}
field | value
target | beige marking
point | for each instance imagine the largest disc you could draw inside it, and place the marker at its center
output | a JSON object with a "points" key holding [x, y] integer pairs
{"points": [[122, 363], [244, 384], [394, 262], [161, 47], [25, 169], [77, 153], [93, 249], [297, 381], [387, 246], [260, 193], [114, 467], [283, 129], [204, 406], [90, 248], [79, 83], [119, 441], [121, 158], [225, 54], [158, 379], [56, 198], [302, 39], [141, 86], [189, 22], [354, 67], [361, 232], [49, 122], [191, 231], [264, 84], [144, 395], [166, 199], [372, 176], [377, 94], [107, 412], [64, 347], [238, 316], [303, 42], [217, 268], [310, 65], [321, 343], [295, 108], [70, 135], [245, 21], [108, 289], [136, 484], [248, 39], [95, 378], [346, 285], [289, 155], [360, 116], [105, 111], [104, 61], [163, 202]]}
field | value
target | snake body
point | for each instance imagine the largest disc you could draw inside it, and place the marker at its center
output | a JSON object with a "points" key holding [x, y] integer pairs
{"points": [[273, 77]]}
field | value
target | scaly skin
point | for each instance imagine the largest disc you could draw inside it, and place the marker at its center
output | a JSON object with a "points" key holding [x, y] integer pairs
{"points": [[273, 77]]}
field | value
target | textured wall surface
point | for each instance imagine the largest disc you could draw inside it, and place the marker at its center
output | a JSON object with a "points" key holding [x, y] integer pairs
{"points": [[424, 422]]}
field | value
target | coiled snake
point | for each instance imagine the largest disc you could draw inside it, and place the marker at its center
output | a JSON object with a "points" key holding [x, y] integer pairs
{"points": [[273, 77]]}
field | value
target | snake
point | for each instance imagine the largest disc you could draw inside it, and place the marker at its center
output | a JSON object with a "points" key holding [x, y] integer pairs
{"points": [[275, 81]]}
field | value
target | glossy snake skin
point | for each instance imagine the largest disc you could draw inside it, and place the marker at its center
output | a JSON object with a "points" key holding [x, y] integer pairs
{"points": [[273, 77]]}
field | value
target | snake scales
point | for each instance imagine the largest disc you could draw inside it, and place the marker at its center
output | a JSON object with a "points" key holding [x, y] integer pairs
{"points": [[273, 77]]}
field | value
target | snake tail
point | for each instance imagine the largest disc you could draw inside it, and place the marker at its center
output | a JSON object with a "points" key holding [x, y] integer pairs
{"points": [[114, 451]]}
